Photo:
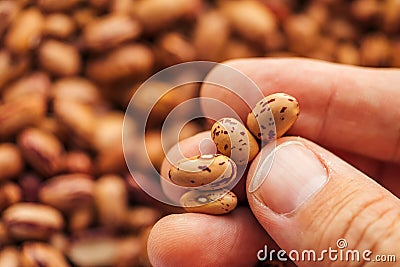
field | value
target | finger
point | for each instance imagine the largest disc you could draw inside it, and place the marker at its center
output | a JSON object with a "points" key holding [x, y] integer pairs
{"points": [[310, 199], [345, 107], [204, 240]]}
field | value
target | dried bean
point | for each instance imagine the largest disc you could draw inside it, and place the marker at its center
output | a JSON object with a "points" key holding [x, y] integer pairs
{"points": [[42, 150], [273, 116], [214, 171], [210, 202], [26, 221]]}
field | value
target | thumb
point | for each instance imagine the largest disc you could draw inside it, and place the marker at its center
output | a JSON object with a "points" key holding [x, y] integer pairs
{"points": [[317, 207]]}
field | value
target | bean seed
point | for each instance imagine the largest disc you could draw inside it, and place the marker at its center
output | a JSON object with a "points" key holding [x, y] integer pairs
{"points": [[273, 116], [40, 254], [66, 192], [25, 31], [215, 171], [34, 142], [234, 140], [26, 221], [210, 202], [11, 162]]}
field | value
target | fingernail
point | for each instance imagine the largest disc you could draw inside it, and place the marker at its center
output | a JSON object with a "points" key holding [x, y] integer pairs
{"points": [[287, 177]]}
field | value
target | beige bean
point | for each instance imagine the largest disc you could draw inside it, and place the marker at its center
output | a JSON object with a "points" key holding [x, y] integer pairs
{"points": [[214, 171], [68, 192], [34, 142], [273, 116], [26, 221], [234, 140], [133, 60], [9, 257], [111, 200], [35, 254], [59, 25], [60, 59], [11, 162], [21, 113], [209, 202], [25, 31], [110, 31], [36, 83]]}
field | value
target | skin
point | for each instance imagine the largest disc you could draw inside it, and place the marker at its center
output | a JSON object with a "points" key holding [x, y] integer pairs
{"points": [[347, 114]]}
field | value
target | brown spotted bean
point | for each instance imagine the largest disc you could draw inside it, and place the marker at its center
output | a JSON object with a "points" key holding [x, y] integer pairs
{"points": [[210, 202], [273, 116], [215, 171], [234, 140], [68, 192]]}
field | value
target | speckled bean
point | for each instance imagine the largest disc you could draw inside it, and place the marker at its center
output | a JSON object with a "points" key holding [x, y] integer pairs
{"points": [[40, 254], [234, 140], [215, 171], [68, 192], [272, 116], [209, 202]]}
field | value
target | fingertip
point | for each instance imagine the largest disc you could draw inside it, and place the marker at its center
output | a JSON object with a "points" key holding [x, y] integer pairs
{"points": [[205, 240]]}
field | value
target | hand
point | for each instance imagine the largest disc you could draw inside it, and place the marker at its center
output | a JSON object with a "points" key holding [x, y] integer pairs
{"points": [[311, 198]]}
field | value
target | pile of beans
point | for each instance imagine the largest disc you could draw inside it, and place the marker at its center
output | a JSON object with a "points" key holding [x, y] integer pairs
{"points": [[67, 72]]}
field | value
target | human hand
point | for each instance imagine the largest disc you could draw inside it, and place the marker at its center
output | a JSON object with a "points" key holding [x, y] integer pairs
{"points": [[311, 198]]}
